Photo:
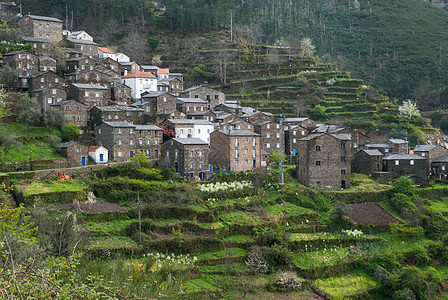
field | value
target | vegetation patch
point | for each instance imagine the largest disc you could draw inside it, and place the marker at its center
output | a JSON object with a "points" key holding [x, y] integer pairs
{"points": [[370, 213], [345, 286]]}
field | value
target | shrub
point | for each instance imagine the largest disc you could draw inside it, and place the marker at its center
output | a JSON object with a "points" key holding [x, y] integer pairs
{"points": [[338, 215], [276, 256], [389, 261], [404, 186], [402, 203], [288, 281], [419, 256], [404, 294], [382, 276], [270, 238], [256, 262], [416, 280]]}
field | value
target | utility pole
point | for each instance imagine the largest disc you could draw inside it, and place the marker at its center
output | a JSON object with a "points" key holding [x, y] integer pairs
{"points": [[231, 27], [139, 219], [281, 179]]}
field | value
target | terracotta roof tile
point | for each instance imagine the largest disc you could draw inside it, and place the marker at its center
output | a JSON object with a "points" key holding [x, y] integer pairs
{"points": [[140, 75]]}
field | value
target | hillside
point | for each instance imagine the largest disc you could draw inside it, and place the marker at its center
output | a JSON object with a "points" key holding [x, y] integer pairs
{"points": [[400, 46]]}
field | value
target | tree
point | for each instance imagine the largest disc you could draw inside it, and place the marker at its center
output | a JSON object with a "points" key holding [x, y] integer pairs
{"points": [[275, 157], [8, 141], [9, 76], [318, 112], [28, 112], [55, 51], [70, 132], [54, 118], [136, 45], [157, 60], [408, 110], [307, 47]]}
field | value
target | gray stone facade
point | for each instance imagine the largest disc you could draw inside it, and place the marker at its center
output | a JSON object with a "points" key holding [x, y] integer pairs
{"points": [[48, 96], [293, 133], [118, 138], [188, 105], [189, 157], [149, 140], [431, 152], [41, 27], [47, 79], [26, 62], [77, 154], [86, 47], [269, 132], [46, 63], [90, 94], [75, 112], [368, 161], [115, 113], [324, 161], [408, 165], [121, 94], [212, 96], [235, 150]]}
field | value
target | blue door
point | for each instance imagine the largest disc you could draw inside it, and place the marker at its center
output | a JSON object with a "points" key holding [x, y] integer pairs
{"points": [[211, 168], [176, 166], [294, 152], [83, 161], [254, 163], [101, 157]]}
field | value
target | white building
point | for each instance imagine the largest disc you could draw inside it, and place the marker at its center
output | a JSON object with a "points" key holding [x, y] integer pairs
{"points": [[106, 52], [189, 128], [99, 154], [140, 82], [81, 35]]}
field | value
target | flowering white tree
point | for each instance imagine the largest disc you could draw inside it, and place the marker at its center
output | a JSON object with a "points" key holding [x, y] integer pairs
{"points": [[408, 110], [307, 47]]}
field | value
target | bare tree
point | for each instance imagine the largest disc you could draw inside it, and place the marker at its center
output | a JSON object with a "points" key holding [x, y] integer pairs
{"points": [[135, 45], [221, 58], [307, 47], [274, 58], [55, 51]]}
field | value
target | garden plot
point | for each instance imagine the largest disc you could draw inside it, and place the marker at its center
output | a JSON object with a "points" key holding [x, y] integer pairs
{"points": [[306, 242], [222, 256], [112, 243], [371, 214], [346, 286], [91, 207]]}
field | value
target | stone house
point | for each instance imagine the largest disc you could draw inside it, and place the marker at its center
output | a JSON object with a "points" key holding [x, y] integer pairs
{"points": [[162, 116], [399, 146], [236, 125], [39, 45], [302, 122], [140, 82], [149, 140], [385, 148], [162, 86], [118, 138], [99, 154], [439, 168], [223, 118], [81, 35], [254, 116], [89, 94], [41, 27], [189, 157], [212, 96], [46, 63], [130, 67], [187, 128], [75, 112], [152, 69], [115, 113], [46, 79], [431, 152], [196, 115], [86, 47], [188, 105], [293, 133], [78, 64], [104, 53], [121, 94], [212, 115], [324, 161], [26, 62], [173, 85], [48, 96], [408, 165], [235, 150], [162, 73], [233, 107], [110, 64], [270, 135], [156, 102], [368, 161], [77, 154]]}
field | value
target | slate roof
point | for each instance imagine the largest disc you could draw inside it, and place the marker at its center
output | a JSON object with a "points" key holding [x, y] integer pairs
{"points": [[190, 141], [89, 86], [192, 89], [443, 159], [403, 157], [237, 132], [424, 147], [147, 127], [287, 120], [119, 124], [68, 144], [373, 152], [191, 100], [155, 94], [33, 39], [85, 42], [43, 18], [342, 136], [397, 141], [378, 145]]}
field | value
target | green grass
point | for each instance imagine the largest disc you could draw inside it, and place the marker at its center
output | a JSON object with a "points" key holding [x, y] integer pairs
{"points": [[239, 239], [114, 227], [323, 236], [346, 285], [363, 183], [232, 252], [18, 129], [277, 210], [41, 187], [41, 150], [239, 218], [222, 269], [115, 242], [326, 257], [440, 206]]}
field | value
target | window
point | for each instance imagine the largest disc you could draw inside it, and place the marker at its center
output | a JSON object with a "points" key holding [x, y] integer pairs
{"points": [[175, 154], [199, 131], [317, 148], [191, 165], [200, 153], [79, 118], [189, 131], [294, 140], [120, 153], [278, 126], [246, 151], [56, 80], [119, 130], [254, 153], [246, 140], [156, 141], [411, 162], [47, 25], [130, 129], [355, 145], [342, 145], [148, 141], [97, 94], [342, 172], [40, 26], [268, 135], [87, 94], [167, 153], [50, 101], [342, 158], [278, 145], [42, 79], [294, 132], [78, 150], [191, 153], [386, 150], [397, 162], [248, 126], [268, 145], [318, 163], [423, 154], [28, 56], [268, 126], [278, 135], [83, 67], [140, 141], [120, 142], [200, 165], [67, 107], [237, 143], [236, 163], [443, 168], [53, 91], [237, 154], [246, 162], [164, 99], [47, 35], [148, 109], [254, 142]]}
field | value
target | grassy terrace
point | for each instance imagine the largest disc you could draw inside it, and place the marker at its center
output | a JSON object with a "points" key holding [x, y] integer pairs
{"points": [[42, 187]]}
